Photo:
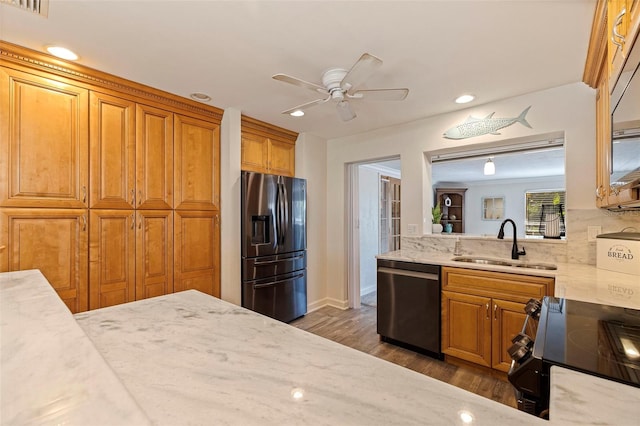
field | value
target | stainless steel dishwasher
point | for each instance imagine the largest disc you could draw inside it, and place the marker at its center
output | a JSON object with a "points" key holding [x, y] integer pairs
{"points": [[409, 305]]}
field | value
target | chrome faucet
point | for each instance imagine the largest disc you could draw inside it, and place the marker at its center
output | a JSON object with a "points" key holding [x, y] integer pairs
{"points": [[514, 250]]}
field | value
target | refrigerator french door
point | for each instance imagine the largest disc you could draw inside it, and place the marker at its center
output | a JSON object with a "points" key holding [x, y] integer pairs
{"points": [[274, 242]]}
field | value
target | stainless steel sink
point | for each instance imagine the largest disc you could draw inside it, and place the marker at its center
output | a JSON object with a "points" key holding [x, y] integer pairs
{"points": [[482, 260], [499, 262]]}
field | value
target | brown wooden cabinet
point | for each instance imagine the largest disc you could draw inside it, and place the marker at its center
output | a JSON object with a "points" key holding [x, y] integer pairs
{"points": [[196, 164], [605, 58], [44, 130], [482, 311], [267, 149], [197, 251], [144, 152], [53, 241], [130, 255], [453, 210]]}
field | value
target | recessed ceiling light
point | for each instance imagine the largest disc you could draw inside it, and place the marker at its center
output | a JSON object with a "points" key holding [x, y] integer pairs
{"points": [[464, 99], [202, 97], [297, 113], [62, 52]]}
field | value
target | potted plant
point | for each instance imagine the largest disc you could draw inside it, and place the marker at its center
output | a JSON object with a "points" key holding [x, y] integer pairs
{"points": [[436, 216]]}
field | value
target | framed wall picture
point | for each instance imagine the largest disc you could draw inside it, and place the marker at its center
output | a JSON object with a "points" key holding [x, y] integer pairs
{"points": [[492, 208]]}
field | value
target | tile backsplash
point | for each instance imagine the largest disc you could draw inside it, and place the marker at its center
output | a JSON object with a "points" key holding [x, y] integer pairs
{"points": [[575, 249]]}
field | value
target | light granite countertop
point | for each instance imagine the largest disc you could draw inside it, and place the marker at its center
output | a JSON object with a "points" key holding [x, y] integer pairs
{"points": [[189, 358], [50, 372], [572, 280]]}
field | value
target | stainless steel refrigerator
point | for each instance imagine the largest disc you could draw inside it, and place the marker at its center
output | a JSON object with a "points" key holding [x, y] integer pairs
{"points": [[274, 243]]}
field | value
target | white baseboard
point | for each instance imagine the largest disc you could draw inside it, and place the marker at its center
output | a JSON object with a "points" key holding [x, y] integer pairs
{"points": [[368, 290], [327, 301]]}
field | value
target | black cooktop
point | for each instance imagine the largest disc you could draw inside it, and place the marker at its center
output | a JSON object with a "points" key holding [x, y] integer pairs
{"points": [[597, 339]]}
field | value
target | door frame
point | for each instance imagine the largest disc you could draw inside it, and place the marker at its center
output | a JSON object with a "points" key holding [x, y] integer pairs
{"points": [[352, 237]]}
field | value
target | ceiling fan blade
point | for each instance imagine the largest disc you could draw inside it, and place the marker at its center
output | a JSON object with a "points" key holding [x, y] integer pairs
{"points": [[381, 94], [300, 83], [344, 111], [306, 105], [360, 71]]}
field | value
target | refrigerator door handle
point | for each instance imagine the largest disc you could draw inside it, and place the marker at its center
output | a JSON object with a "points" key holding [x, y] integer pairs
{"points": [[285, 210], [272, 283], [270, 262]]}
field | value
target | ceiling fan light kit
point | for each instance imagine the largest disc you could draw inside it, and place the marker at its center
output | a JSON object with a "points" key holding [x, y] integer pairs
{"points": [[338, 84]]}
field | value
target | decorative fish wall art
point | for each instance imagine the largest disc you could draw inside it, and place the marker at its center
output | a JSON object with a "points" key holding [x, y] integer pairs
{"points": [[473, 126]]}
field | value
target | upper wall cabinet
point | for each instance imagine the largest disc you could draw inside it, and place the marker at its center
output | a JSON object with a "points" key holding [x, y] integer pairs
{"points": [[44, 126], [267, 148], [623, 18], [131, 154], [612, 60], [197, 164]]}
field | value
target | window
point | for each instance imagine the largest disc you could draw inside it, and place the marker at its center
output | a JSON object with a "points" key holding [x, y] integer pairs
{"points": [[549, 203]]}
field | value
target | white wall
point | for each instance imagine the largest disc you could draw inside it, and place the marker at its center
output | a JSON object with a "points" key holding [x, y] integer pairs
{"points": [[230, 252], [569, 108], [369, 225]]}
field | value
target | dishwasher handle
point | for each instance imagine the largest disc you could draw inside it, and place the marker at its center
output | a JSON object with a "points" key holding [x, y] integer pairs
{"points": [[414, 274]]}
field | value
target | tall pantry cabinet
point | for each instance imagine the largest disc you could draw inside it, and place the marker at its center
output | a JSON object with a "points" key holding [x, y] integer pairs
{"points": [[109, 187]]}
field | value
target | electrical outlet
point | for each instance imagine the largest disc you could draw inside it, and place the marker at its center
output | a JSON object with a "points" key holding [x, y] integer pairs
{"points": [[412, 229], [592, 232]]}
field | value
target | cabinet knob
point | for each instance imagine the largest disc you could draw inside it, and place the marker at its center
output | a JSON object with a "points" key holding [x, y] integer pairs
{"points": [[615, 35]]}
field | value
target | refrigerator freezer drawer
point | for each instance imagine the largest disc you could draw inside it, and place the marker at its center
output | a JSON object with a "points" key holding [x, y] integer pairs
{"points": [[283, 297], [268, 266]]}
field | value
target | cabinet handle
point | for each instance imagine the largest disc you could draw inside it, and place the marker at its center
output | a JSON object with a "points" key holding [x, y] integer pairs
{"points": [[495, 311], [614, 32], [217, 219], [84, 194], [133, 197], [139, 221], [133, 221], [599, 194], [487, 310], [84, 222], [139, 197]]}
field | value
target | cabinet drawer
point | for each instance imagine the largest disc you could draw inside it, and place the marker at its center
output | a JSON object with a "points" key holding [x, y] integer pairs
{"points": [[513, 287]]}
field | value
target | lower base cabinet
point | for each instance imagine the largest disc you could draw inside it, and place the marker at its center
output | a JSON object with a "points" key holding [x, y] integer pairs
{"points": [[130, 255], [482, 311], [197, 251], [55, 241]]}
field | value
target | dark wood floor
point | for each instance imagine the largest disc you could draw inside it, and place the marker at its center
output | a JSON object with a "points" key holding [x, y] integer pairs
{"points": [[356, 328]]}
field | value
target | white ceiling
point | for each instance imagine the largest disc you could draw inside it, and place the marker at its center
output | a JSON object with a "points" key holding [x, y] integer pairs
{"points": [[230, 50]]}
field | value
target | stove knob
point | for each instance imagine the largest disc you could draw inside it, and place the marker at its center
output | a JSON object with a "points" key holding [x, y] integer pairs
{"points": [[519, 352], [533, 308], [522, 339]]}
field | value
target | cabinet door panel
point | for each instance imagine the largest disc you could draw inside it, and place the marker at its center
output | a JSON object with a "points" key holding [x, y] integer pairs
{"points": [[197, 251], [466, 327], [154, 155], [255, 153], [508, 319], [111, 258], [44, 146], [113, 159], [53, 241], [154, 253], [282, 160], [197, 164]]}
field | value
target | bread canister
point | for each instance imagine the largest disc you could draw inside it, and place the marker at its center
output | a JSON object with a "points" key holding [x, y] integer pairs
{"points": [[619, 252]]}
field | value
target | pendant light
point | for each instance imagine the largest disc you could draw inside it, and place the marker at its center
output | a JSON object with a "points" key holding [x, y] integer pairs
{"points": [[489, 168]]}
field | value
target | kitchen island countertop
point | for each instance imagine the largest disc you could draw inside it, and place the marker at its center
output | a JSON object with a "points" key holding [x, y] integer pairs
{"points": [[189, 358]]}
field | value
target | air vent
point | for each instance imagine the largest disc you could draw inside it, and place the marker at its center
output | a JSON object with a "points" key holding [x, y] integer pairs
{"points": [[41, 7]]}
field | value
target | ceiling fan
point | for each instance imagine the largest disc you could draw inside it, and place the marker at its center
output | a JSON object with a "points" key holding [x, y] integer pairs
{"points": [[341, 85]]}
